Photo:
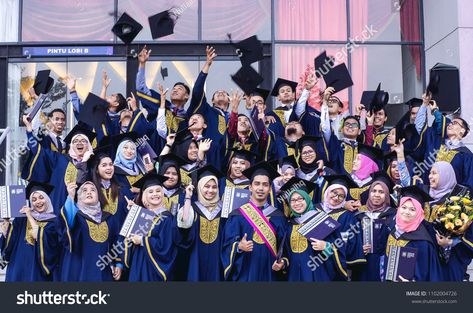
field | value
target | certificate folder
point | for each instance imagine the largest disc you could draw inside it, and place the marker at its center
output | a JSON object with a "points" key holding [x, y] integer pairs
{"points": [[12, 199], [401, 262], [318, 226], [233, 199], [138, 222]]}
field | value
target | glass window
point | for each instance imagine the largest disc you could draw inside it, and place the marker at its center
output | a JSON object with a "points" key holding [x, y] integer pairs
{"points": [[384, 20], [186, 26], [241, 18], [401, 74], [9, 13], [294, 62], [21, 77], [310, 19], [74, 20]]}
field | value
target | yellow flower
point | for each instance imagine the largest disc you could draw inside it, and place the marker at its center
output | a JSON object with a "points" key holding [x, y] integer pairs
{"points": [[458, 222], [450, 216], [441, 209], [454, 198], [468, 208], [449, 226], [464, 216], [443, 219], [455, 208], [466, 201]]}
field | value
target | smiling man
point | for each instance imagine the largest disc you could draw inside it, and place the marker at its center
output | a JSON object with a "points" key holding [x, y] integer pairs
{"points": [[253, 232]]}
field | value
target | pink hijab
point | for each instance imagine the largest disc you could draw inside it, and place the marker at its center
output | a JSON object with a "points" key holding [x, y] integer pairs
{"points": [[414, 224], [367, 167], [72, 150]]}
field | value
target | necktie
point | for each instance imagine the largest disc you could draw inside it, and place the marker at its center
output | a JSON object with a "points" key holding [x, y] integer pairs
{"points": [[59, 143]]}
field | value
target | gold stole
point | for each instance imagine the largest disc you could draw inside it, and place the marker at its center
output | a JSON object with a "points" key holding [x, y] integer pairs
{"points": [[349, 154], [261, 225], [395, 242], [445, 155]]}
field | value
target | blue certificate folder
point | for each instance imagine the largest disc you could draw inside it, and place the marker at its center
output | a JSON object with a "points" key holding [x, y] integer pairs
{"points": [[12, 199], [138, 221], [233, 199], [401, 262], [319, 226]]}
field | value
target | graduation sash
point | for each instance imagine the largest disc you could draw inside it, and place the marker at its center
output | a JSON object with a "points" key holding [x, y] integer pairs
{"points": [[261, 225]]}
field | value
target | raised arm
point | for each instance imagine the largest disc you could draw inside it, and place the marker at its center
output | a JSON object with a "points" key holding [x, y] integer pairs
{"points": [[198, 100], [143, 57]]}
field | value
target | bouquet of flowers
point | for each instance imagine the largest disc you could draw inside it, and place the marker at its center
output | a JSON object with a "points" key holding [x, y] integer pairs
{"points": [[455, 215]]}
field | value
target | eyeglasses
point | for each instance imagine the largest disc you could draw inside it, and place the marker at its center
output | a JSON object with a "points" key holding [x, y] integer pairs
{"points": [[307, 153], [297, 200], [351, 125], [82, 141], [339, 196], [259, 102], [457, 123]]}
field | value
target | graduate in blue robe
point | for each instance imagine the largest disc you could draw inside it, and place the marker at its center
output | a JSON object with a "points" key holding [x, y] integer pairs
{"points": [[253, 233], [30, 244], [127, 170], [201, 227], [285, 91], [317, 259], [241, 160], [89, 237], [378, 215], [150, 255], [59, 169], [411, 230]]}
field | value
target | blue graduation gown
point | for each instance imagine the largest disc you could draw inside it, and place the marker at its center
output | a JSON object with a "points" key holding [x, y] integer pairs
{"points": [[371, 271], [204, 242], [154, 259], [342, 154], [427, 261], [257, 264], [306, 264], [126, 181], [29, 259], [88, 246], [310, 121]]}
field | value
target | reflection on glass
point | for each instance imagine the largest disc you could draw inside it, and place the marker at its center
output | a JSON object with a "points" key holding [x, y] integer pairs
{"points": [[241, 18], [295, 62], [310, 19], [87, 20], [186, 26], [384, 20], [9, 14]]}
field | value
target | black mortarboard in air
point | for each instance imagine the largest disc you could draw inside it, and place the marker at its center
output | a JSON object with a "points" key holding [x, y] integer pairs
{"points": [[249, 50], [444, 84], [263, 93], [323, 64], [343, 180], [43, 83], [338, 78], [417, 193], [149, 180], [164, 72], [383, 177], [80, 128], [34, 186], [379, 100], [247, 79], [94, 111], [126, 28], [373, 153], [261, 168], [162, 24], [281, 82]]}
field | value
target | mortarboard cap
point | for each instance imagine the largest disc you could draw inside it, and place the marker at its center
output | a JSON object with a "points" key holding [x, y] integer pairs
{"points": [[444, 84], [170, 159], [43, 83], [162, 24], [373, 153], [126, 28], [308, 140], [261, 168], [296, 183], [343, 180], [80, 128], [94, 111], [208, 170], [338, 78], [149, 180], [164, 72], [100, 153], [34, 186], [263, 93], [323, 64], [281, 82], [289, 160], [243, 154], [414, 102], [247, 79], [383, 177], [379, 100], [417, 193], [249, 50]]}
